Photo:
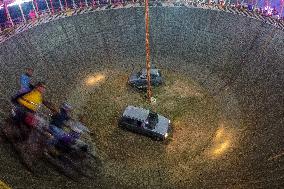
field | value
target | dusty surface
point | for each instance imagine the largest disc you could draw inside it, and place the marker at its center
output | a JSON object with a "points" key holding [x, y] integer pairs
{"points": [[235, 58], [202, 140]]}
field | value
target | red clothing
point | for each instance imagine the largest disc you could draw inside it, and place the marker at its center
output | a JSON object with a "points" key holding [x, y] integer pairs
{"points": [[32, 15]]}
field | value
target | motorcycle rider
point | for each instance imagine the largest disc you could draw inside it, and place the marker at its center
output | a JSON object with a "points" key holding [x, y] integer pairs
{"points": [[57, 124], [61, 116], [67, 140], [33, 99], [26, 105]]}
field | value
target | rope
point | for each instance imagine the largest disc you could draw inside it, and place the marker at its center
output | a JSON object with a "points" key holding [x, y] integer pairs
{"points": [[148, 64]]}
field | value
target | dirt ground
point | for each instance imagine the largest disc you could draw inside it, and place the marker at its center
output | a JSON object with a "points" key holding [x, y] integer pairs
{"points": [[200, 144]]}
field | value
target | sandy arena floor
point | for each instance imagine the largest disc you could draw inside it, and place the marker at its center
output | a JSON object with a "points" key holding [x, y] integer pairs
{"points": [[203, 141]]}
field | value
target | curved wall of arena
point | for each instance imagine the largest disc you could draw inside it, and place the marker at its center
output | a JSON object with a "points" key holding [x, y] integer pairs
{"points": [[239, 60]]}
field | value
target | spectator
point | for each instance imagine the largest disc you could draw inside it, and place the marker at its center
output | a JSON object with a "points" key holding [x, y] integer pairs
{"points": [[274, 11], [25, 81], [250, 7], [32, 15]]}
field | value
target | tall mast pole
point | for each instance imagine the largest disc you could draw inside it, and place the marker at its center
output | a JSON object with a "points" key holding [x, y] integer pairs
{"points": [[147, 42]]}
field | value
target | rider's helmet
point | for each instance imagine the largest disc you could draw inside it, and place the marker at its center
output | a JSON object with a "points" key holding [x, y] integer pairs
{"points": [[66, 106], [77, 127], [40, 86]]}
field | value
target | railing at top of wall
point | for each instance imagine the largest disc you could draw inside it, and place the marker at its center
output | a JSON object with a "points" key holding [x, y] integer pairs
{"points": [[46, 17]]}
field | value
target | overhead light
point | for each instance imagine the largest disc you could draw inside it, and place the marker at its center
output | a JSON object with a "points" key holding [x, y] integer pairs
{"points": [[17, 2]]}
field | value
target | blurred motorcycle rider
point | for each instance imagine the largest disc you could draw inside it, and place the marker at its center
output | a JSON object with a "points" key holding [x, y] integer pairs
{"points": [[62, 116], [57, 124], [26, 105], [32, 100]]}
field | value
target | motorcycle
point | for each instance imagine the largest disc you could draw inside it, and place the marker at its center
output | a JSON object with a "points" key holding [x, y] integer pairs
{"points": [[74, 159]]}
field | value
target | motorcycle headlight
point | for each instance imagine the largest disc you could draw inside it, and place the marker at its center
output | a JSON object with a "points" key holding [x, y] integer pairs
{"points": [[166, 135]]}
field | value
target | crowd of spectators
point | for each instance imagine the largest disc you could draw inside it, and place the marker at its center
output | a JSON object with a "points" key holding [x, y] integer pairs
{"points": [[265, 12]]}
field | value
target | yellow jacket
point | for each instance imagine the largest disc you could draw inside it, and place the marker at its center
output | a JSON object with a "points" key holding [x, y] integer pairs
{"points": [[31, 100]]}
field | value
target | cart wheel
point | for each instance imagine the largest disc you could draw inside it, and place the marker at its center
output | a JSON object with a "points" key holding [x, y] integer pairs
{"points": [[13, 113], [157, 138]]}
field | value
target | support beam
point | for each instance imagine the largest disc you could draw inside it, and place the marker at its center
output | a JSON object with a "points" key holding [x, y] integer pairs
{"points": [[8, 14], [47, 6], [22, 12]]}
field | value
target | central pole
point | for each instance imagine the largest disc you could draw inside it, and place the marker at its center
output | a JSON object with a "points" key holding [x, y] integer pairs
{"points": [[148, 64]]}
